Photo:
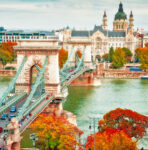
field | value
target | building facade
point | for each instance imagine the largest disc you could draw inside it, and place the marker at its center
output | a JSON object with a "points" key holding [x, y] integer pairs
{"points": [[100, 39], [15, 36]]}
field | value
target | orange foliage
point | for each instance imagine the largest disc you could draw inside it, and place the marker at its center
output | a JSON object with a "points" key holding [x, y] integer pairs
{"points": [[8, 46], [142, 56], [63, 55], [111, 139], [7, 53], [79, 53], [133, 123], [57, 131]]}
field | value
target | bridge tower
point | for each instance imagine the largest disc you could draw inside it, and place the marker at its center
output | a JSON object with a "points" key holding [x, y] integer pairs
{"points": [[35, 52]]}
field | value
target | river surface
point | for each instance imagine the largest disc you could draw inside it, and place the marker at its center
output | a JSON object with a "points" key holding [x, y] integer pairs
{"points": [[87, 102]]}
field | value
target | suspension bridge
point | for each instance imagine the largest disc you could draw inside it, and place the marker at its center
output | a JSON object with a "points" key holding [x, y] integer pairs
{"points": [[37, 83]]}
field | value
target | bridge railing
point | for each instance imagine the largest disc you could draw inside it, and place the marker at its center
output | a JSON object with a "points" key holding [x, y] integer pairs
{"points": [[73, 76], [35, 114], [33, 105]]}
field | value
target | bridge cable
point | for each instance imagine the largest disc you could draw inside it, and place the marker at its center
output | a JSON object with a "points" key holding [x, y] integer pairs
{"points": [[12, 83], [37, 82]]}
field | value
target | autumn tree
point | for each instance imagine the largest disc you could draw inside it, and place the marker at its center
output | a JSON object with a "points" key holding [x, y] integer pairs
{"points": [[133, 123], [128, 54], [141, 55], [63, 55], [79, 53], [7, 53], [105, 57], [57, 132], [111, 53], [146, 44], [138, 52], [111, 139], [119, 58]]}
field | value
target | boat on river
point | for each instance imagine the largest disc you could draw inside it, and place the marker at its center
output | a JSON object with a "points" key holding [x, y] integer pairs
{"points": [[144, 77]]}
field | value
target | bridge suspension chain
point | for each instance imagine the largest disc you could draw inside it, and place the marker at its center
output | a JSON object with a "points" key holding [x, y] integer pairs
{"points": [[78, 68], [37, 82], [12, 83]]}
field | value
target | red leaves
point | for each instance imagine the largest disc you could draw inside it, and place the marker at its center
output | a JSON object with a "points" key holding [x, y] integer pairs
{"points": [[111, 139], [133, 123]]}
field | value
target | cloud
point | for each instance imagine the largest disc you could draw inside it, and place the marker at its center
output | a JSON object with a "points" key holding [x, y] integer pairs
{"points": [[59, 13]]}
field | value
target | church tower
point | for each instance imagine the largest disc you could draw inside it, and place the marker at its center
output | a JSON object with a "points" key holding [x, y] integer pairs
{"points": [[131, 20], [120, 22], [104, 21]]}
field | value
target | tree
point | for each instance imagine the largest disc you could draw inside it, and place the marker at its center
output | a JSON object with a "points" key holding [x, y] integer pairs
{"points": [[144, 59], [133, 123], [138, 52], [7, 54], [128, 54], [141, 55], [119, 58], [105, 57], [57, 132], [146, 44], [98, 57], [79, 53], [63, 55], [111, 139], [111, 53]]}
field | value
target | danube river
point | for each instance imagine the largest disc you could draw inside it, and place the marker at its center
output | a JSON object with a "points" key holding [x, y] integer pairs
{"points": [[86, 102]]}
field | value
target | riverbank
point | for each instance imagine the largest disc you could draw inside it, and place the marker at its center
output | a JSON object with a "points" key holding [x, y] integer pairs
{"points": [[121, 74], [7, 73]]}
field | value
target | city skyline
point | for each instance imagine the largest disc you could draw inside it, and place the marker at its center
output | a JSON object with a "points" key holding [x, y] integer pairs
{"points": [[55, 14]]}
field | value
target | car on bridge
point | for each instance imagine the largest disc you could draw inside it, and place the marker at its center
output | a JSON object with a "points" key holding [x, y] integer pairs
{"points": [[13, 109], [1, 129], [4, 116], [11, 116]]}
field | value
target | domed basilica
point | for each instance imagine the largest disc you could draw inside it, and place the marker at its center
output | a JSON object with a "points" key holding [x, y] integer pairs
{"points": [[100, 39]]}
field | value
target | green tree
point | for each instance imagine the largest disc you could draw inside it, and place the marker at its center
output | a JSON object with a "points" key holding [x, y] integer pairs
{"points": [[105, 57], [98, 57], [119, 58], [111, 53], [128, 54]]}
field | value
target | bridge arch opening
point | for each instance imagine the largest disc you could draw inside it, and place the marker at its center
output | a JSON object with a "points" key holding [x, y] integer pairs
{"points": [[34, 72]]}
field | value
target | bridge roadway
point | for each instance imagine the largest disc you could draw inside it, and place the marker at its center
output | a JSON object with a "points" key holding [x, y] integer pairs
{"points": [[28, 119], [3, 123]]}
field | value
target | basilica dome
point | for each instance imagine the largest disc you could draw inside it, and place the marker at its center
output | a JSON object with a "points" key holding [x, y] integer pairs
{"points": [[120, 14]]}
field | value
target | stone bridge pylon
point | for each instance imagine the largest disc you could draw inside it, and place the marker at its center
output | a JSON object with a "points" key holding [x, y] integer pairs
{"points": [[35, 52]]}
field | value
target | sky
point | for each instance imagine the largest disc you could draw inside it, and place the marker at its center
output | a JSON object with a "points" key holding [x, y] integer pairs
{"points": [[56, 14]]}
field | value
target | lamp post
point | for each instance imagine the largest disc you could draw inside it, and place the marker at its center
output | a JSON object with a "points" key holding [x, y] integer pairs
{"points": [[4, 138], [94, 125], [33, 138]]}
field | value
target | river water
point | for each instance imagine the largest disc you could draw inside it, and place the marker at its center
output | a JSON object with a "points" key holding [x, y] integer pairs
{"points": [[86, 102]]}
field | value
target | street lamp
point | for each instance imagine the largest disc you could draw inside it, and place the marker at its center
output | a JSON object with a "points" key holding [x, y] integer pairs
{"points": [[33, 138], [4, 137], [94, 124]]}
